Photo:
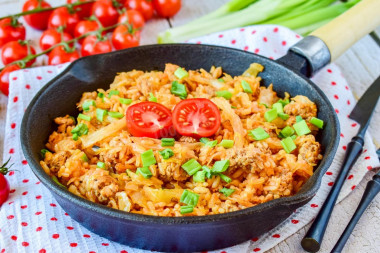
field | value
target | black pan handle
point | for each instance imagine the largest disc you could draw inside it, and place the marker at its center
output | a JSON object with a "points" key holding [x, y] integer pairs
{"points": [[372, 189], [313, 238]]}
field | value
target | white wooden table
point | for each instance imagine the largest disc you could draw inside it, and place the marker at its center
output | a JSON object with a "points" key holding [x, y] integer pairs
{"points": [[360, 66]]}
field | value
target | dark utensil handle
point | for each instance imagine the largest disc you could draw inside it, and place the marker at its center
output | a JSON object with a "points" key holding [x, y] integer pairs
{"points": [[313, 238], [372, 189]]}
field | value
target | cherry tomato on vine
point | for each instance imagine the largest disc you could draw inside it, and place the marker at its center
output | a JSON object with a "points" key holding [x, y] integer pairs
{"points": [[4, 185], [132, 17], [106, 12], [83, 10], [149, 119], [38, 20], [52, 37], [10, 31], [124, 37], [62, 17], [196, 117], [16, 50], [145, 7], [83, 27], [93, 45], [61, 55], [4, 78], [166, 8]]}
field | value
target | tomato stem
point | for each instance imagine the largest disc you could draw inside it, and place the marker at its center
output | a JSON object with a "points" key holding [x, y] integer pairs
{"points": [[4, 169]]}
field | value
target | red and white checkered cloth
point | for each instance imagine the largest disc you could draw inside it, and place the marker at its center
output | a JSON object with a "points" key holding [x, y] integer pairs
{"points": [[32, 221]]}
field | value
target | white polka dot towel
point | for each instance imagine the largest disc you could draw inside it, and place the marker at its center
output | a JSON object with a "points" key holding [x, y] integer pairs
{"points": [[31, 220]]}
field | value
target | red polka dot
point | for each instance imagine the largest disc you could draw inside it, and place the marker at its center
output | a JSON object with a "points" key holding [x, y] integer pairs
{"points": [[329, 70], [38, 229], [10, 203], [55, 236], [329, 173], [14, 238], [11, 151], [341, 135], [15, 99], [38, 213], [353, 187], [344, 147], [24, 162], [350, 177], [333, 83], [24, 193], [256, 249], [25, 181], [2, 251], [336, 110], [24, 206], [265, 39], [330, 184], [354, 125], [257, 51], [53, 205], [314, 205], [25, 244], [86, 236], [242, 29], [369, 167], [27, 87], [105, 244], [276, 236], [49, 71], [39, 77], [346, 87], [295, 221], [14, 78], [365, 150], [13, 125], [367, 158], [233, 41], [254, 239], [223, 251], [73, 244], [66, 214], [92, 252], [198, 42], [220, 35], [42, 251], [253, 32], [24, 224], [275, 29], [70, 228], [271, 57], [336, 96], [12, 191], [53, 219], [38, 182], [10, 217], [283, 43], [246, 48]]}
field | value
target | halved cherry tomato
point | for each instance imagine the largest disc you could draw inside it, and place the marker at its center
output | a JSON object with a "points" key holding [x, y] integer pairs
{"points": [[83, 10], [132, 17], [93, 45], [10, 31], [196, 117], [38, 20], [51, 37], [83, 27], [4, 78], [145, 7], [60, 55], [14, 51], [106, 12], [167, 8], [123, 38], [62, 17], [4, 185], [149, 119]]}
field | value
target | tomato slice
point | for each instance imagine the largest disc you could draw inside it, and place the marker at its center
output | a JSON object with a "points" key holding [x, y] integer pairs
{"points": [[196, 117], [149, 119]]}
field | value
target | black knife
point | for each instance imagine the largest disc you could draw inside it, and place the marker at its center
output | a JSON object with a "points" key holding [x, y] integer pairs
{"points": [[362, 114]]}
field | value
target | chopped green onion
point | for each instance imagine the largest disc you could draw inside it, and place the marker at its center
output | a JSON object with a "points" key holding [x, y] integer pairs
{"points": [[233, 107], [181, 73], [259, 134], [167, 142], [283, 102], [288, 144], [55, 179], [204, 140], [100, 114], [191, 166], [211, 143], [101, 95], [220, 166], [189, 198], [166, 153], [145, 172], [178, 90], [301, 128], [84, 158], [287, 131], [225, 178], [117, 115], [246, 86], [125, 101], [84, 117], [200, 176], [221, 80], [152, 98], [317, 122], [227, 192], [224, 93], [266, 106], [44, 151], [148, 158], [186, 209], [113, 92], [226, 143], [298, 118], [101, 165], [80, 129], [293, 137], [283, 116], [75, 137], [86, 105], [270, 115], [278, 107], [207, 170]]}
